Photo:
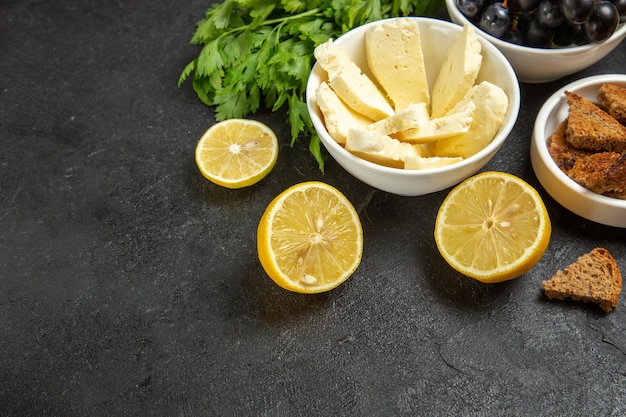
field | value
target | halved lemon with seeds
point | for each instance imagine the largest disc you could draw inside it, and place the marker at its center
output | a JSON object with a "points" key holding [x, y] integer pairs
{"points": [[310, 238], [237, 153], [492, 227]]}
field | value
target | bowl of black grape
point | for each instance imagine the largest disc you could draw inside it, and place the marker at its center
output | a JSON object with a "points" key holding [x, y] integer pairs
{"points": [[545, 40]]}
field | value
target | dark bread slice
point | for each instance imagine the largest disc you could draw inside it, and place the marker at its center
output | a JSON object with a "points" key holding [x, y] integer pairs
{"points": [[612, 99], [564, 154], [591, 128], [616, 194], [594, 277], [600, 172]]}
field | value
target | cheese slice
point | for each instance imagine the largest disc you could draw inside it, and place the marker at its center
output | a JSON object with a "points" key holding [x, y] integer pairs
{"points": [[420, 162], [358, 91], [350, 84], [380, 149], [451, 124], [394, 55], [412, 116], [331, 58], [492, 103], [458, 72], [338, 117]]}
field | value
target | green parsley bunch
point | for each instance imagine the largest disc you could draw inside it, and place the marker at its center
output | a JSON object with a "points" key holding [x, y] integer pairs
{"points": [[261, 51]]}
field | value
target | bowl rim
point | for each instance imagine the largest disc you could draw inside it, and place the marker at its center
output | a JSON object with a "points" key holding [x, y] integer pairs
{"points": [[565, 51], [491, 148], [540, 138]]}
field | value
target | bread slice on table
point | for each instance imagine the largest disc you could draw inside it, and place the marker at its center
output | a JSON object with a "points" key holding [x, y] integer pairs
{"points": [[600, 172], [612, 99], [594, 278], [589, 127]]}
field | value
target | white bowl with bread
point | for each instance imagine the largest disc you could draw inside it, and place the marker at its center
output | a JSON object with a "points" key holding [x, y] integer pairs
{"points": [[578, 150], [396, 123], [539, 65]]}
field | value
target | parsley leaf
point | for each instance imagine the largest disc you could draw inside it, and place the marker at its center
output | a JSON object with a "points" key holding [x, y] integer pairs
{"points": [[260, 52]]}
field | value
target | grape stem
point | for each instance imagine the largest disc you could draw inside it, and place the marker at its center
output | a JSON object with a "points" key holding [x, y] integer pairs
{"points": [[514, 23]]}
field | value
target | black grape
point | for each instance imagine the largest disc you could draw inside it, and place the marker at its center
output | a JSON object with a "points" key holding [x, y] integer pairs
{"points": [[603, 21], [579, 35], [523, 5], [514, 37], [546, 23], [470, 8], [563, 35], [537, 35], [578, 11], [621, 8], [549, 13], [495, 20]]}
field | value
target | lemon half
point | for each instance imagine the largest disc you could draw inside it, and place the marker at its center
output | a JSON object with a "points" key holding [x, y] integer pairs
{"points": [[237, 153], [492, 227], [310, 238]]}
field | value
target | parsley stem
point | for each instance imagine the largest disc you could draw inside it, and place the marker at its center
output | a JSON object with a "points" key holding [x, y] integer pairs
{"points": [[280, 20], [295, 16]]}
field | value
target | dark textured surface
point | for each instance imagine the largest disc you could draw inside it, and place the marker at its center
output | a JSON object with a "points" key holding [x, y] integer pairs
{"points": [[129, 285]]}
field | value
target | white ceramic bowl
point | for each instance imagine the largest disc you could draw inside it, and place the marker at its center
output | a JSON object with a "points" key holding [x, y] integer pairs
{"points": [[436, 37], [572, 196], [537, 65]]}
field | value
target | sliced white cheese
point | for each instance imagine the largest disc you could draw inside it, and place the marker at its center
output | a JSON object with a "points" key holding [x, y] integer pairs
{"points": [[394, 55], [413, 115], [358, 91], [451, 124], [338, 117], [458, 72], [420, 162], [492, 103], [380, 149], [331, 58], [350, 84]]}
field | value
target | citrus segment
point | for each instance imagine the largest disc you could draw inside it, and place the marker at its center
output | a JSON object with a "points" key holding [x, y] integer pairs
{"points": [[492, 227], [237, 153], [310, 238]]}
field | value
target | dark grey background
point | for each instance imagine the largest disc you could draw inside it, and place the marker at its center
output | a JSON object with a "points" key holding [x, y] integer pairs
{"points": [[130, 286]]}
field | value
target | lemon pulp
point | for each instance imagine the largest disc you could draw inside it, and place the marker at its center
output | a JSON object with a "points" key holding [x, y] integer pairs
{"points": [[310, 238], [492, 227]]}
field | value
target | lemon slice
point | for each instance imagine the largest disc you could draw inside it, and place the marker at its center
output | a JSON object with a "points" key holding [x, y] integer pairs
{"points": [[310, 238], [492, 227], [237, 153]]}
